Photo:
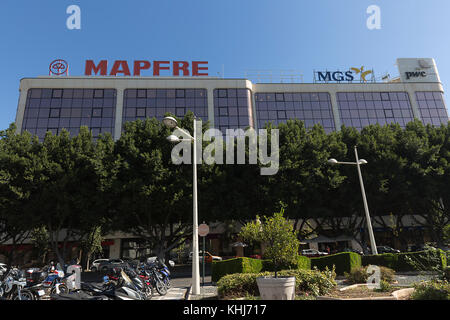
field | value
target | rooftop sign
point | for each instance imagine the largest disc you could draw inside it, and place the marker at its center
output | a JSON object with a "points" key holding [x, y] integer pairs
{"points": [[122, 68], [417, 70], [338, 76]]}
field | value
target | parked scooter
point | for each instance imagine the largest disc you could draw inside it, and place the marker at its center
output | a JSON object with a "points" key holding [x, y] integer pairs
{"points": [[114, 287]]}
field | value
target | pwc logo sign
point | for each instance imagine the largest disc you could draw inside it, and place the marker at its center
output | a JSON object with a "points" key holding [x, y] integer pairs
{"points": [[415, 74], [338, 76], [155, 68]]}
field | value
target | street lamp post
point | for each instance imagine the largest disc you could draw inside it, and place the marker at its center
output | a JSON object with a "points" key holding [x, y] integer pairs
{"points": [[358, 164], [172, 123]]}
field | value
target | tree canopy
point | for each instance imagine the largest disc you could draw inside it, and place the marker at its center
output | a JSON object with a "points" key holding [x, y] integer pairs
{"points": [[76, 188]]}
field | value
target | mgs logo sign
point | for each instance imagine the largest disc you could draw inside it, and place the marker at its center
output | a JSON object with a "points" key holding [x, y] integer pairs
{"points": [[338, 76]]}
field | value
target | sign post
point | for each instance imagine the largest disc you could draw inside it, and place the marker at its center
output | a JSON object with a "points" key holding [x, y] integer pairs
{"points": [[203, 230]]}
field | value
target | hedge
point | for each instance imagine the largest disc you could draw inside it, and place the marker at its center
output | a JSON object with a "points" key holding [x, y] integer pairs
{"points": [[248, 265], [343, 261], [409, 261]]}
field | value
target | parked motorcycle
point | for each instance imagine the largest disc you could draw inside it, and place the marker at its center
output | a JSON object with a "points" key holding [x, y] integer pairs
{"points": [[46, 281], [12, 286], [155, 277], [142, 285]]}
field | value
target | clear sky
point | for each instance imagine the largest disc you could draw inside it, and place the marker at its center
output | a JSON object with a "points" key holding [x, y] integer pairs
{"points": [[232, 35]]}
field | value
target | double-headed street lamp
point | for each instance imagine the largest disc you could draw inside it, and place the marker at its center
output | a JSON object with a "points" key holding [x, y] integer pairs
{"points": [[358, 163], [172, 123]]}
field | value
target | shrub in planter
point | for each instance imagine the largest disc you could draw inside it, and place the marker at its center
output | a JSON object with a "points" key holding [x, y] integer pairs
{"points": [[313, 282], [343, 262], [238, 285], [249, 265], [279, 236]]}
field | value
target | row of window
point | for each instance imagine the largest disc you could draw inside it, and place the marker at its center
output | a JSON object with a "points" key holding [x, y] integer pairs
{"points": [[58, 108]]}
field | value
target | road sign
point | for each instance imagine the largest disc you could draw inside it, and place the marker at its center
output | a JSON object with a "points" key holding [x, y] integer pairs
{"points": [[203, 230]]}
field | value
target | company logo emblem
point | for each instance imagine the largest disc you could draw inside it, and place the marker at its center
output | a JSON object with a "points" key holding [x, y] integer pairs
{"points": [[415, 74], [362, 73], [59, 67]]}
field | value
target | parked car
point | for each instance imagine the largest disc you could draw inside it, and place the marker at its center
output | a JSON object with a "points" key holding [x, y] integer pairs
{"points": [[96, 263], [208, 257], [386, 249], [352, 250], [110, 263], [313, 253]]}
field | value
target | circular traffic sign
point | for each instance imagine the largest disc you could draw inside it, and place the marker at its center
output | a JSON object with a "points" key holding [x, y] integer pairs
{"points": [[203, 230]]}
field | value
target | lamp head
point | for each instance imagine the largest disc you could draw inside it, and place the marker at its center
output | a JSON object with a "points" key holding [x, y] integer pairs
{"points": [[170, 122], [173, 139], [362, 161], [332, 161]]}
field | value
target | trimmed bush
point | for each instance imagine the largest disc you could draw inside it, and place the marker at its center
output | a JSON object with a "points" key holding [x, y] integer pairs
{"points": [[249, 265], [236, 265], [306, 281], [429, 260], [304, 263], [343, 262]]}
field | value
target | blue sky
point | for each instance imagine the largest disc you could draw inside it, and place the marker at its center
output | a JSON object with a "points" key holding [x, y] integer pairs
{"points": [[236, 35]]}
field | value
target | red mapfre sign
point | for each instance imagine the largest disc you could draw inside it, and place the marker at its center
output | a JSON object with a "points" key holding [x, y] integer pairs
{"points": [[122, 68]]}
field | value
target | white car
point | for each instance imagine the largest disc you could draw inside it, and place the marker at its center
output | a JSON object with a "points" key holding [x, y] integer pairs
{"points": [[96, 263], [208, 257], [313, 253]]}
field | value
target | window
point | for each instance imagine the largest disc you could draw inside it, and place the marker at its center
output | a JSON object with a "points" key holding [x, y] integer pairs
{"points": [[374, 107], [311, 107], [142, 103], [234, 103], [432, 107], [68, 108]]}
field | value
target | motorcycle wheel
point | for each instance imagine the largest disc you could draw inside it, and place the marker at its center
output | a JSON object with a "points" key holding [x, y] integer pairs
{"points": [[26, 295], [167, 282], [62, 289], [161, 287], [148, 292]]}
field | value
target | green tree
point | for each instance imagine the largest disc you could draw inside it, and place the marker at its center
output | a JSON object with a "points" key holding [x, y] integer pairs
{"points": [[69, 200], [279, 236], [152, 195], [18, 177]]}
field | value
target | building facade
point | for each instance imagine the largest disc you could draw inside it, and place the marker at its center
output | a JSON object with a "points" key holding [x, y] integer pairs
{"points": [[104, 104]]}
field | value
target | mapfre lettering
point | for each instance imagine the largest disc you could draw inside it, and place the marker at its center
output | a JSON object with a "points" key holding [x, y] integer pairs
{"points": [[159, 68]]}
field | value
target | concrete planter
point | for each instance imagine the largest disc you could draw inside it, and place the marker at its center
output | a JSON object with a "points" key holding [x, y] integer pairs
{"points": [[282, 288]]}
